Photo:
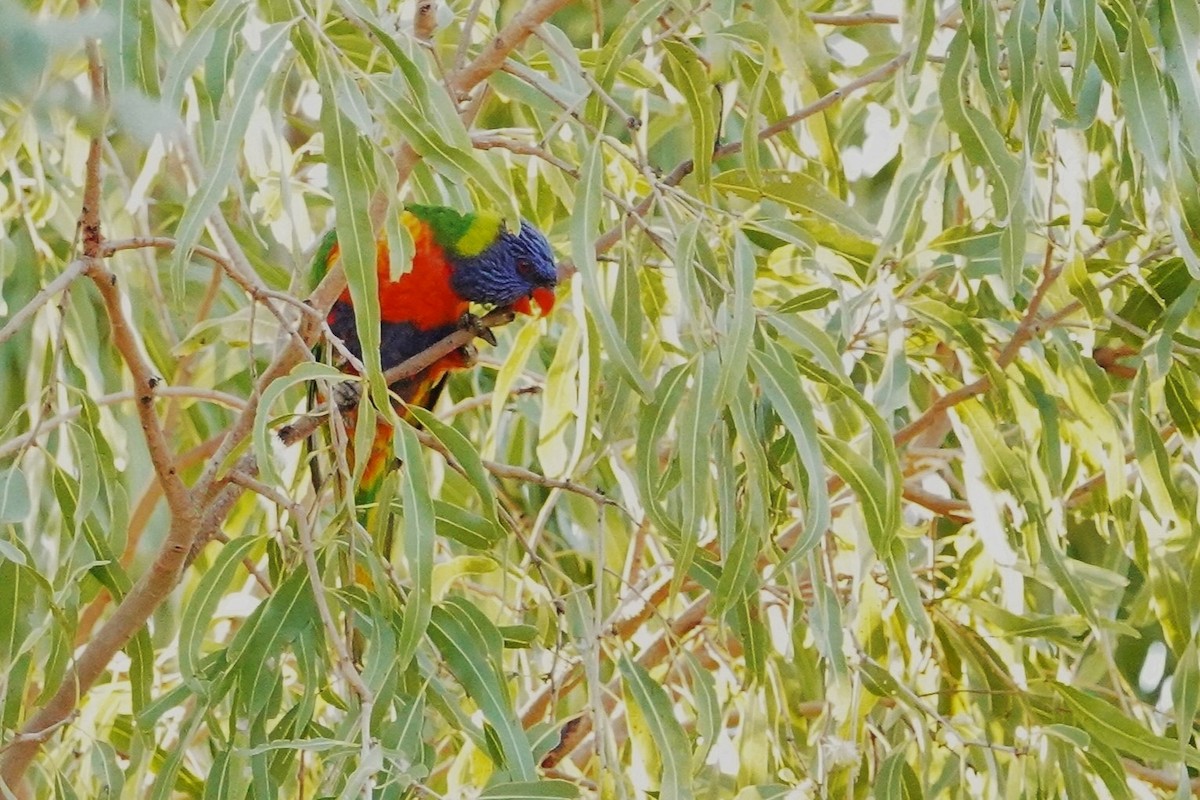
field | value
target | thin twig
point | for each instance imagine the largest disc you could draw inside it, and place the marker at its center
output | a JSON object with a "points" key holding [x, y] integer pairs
{"points": [[527, 476], [880, 73], [483, 401], [256, 291], [61, 282], [464, 37], [956, 510], [854, 20], [632, 122], [188, 392], [489, 141], [262, 580], [39, 736]]}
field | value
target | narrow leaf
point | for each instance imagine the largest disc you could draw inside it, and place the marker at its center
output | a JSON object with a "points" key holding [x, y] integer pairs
{"points": [[668, 736], [419, 529]]}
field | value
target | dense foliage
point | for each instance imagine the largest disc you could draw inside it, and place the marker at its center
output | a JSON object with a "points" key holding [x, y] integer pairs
{"points": [[858, 457]]}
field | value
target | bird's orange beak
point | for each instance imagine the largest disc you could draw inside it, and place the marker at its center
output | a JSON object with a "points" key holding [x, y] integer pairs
{"points": [[542, 296]]}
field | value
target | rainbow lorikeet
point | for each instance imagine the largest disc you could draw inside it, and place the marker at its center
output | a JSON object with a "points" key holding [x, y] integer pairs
{"points": [[459, 259]]}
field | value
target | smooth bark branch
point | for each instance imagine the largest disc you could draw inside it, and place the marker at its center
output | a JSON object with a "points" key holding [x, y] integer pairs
{"points": [[144, 383], [464, 41], [854, 20], [957, 510]]}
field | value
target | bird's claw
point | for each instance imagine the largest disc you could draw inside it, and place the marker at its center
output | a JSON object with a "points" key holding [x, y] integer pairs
{"points": [[472, 323], [346, 395], [468, 355]]}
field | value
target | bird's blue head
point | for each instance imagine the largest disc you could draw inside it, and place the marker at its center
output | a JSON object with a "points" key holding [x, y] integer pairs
{"points": [[513, 269]]}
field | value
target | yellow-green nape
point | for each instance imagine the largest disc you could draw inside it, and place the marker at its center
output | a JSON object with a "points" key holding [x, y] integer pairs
{"points": [[464, 234], [484, 229]]}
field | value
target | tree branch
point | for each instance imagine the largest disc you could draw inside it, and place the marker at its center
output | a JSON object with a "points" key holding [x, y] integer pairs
{"points": [[503, 43], [290, 434], [854, 20], [185, 392], [145, 383], [1026, 330], [253, 288], [61, 282]]}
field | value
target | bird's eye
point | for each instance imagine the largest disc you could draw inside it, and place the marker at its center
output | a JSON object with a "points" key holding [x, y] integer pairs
{"points": [[525, 268]]}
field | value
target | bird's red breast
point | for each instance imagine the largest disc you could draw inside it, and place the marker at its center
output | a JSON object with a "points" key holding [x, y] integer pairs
{"points": [[422, 296]]}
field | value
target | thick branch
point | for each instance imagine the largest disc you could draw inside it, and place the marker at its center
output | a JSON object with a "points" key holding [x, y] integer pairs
{"points": [[144, 384]]}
